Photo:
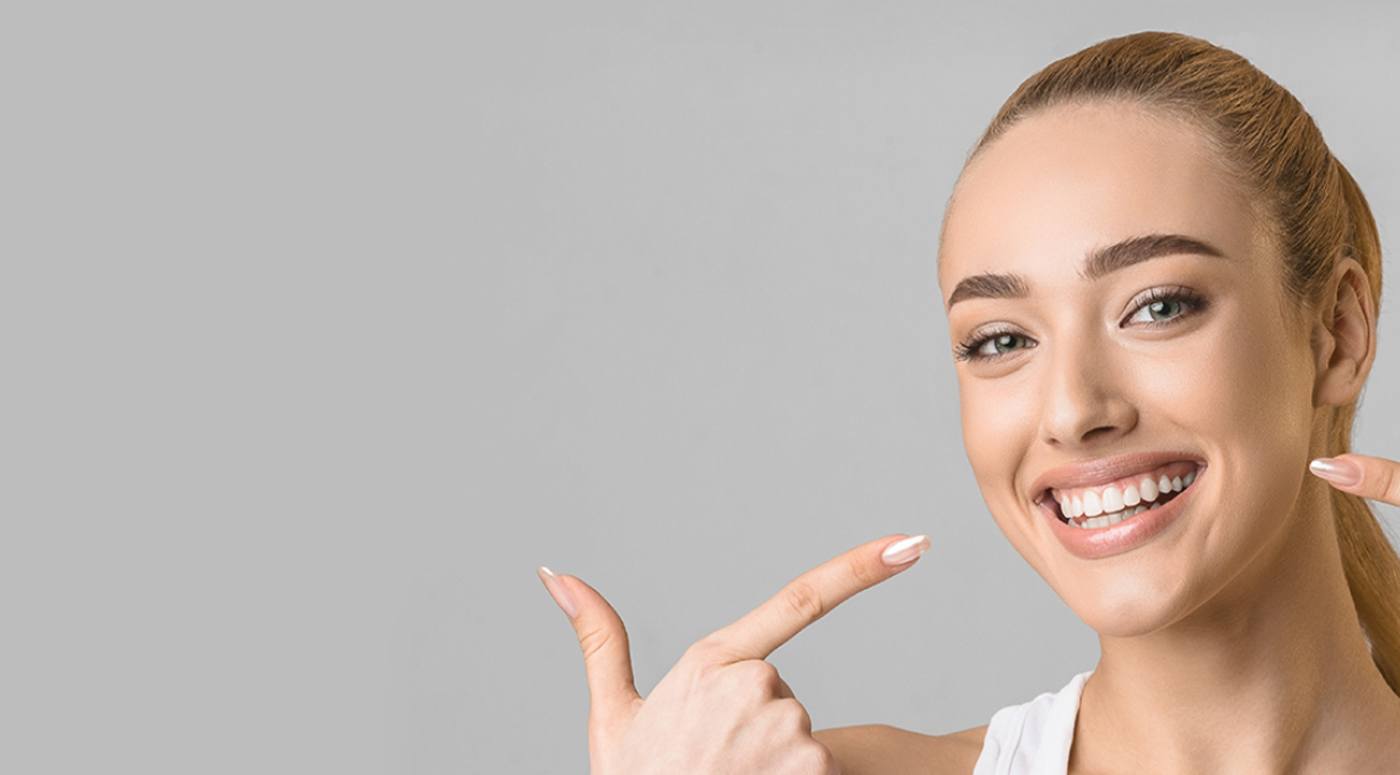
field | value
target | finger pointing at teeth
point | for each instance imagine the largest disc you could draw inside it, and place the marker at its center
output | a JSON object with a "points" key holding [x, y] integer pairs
{"points": [[1370, 477]]}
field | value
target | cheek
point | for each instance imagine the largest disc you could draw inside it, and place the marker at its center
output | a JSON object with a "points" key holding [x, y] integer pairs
{"points": [[998, 426], [1244, 390]]}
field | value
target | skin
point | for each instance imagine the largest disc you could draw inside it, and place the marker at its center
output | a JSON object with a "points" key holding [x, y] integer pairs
{"points": [[1229, 643]]}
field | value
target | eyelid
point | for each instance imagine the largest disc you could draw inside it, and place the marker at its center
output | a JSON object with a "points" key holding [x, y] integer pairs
{"points": [[966, 349], [1161, 292]]}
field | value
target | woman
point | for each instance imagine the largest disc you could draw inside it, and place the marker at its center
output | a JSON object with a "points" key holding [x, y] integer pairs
{"points": [[1162, 292]]}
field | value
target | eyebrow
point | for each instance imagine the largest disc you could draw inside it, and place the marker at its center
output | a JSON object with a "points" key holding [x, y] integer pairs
{"points": [[1098, 263]]}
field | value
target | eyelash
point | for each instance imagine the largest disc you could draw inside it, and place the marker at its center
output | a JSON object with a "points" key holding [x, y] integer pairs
{"points": [[967, 350]]}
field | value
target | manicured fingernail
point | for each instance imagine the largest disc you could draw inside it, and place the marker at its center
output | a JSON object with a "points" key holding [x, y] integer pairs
{"points": [[1343, 472], [904, 550], [556, 590]]}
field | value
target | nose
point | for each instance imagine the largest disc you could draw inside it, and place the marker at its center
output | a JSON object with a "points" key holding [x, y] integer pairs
{"points": [[1084, 404]]}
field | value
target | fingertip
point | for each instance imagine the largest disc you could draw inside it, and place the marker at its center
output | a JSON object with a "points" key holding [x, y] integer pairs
{"points": [[905, 550], [1339, 470], [558, 591]]}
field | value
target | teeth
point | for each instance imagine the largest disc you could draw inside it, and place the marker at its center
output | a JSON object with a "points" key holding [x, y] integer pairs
{"points": [[1112, 499], [1131, 496], [1148, 488], [1113, 519], [1111, 505]]}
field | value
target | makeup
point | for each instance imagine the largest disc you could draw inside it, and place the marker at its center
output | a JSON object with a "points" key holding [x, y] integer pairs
{"points": [[1094, 543]]}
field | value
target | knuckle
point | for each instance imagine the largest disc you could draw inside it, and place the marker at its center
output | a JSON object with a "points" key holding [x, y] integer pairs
{"points": [[759, 673], [862, 571], [707, 650], [698, 650], [793, 716], [804, 600], [813, 758], [593, 641]]}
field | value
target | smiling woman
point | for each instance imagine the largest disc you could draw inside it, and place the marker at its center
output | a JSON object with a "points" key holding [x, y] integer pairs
{"points": [[1162, 291]]}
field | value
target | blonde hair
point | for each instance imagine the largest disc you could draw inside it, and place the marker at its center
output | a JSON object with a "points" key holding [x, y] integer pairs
{"points": [[1303, 197]]}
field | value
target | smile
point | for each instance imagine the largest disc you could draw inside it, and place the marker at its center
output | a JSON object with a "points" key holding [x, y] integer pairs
{"points": [[1103, 506], [1100, 508]]}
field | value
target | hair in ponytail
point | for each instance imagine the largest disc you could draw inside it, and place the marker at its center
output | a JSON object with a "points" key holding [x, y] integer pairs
{"points": [[1304, 198]]}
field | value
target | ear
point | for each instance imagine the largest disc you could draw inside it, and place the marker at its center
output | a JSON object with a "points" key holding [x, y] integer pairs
{"points": [[1344, 335]]}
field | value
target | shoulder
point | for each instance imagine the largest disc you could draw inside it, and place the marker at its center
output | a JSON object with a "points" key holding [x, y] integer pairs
{"points": [[881, 749]]}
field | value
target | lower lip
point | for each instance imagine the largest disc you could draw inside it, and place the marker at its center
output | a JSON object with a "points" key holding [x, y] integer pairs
{"points": [[1094, 543]]}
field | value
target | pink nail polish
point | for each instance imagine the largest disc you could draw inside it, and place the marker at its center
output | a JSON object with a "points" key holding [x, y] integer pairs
{"points": [[1342, 472], [556, 590]]}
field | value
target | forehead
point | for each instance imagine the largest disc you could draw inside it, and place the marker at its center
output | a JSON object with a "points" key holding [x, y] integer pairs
{"points": [[1073, 178]]}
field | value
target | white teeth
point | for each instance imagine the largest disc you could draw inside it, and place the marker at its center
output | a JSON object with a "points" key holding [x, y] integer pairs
{"points": [[1112, 519], [1109, 506], [1148, 488], [1130, 496], [1112, 499]]}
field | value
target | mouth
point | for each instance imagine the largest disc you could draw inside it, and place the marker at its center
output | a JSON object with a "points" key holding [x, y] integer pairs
{"points": [[1099, 506]]}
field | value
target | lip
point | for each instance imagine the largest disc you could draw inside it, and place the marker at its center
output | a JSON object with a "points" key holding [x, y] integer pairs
{"points": [[1105, 470], [1098, 542]]}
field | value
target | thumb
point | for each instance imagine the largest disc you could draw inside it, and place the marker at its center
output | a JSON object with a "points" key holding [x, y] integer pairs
{"points": [[607, 660]]}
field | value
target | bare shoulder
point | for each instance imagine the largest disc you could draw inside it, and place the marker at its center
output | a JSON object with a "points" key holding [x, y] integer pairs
{"points": [[881, 749]]}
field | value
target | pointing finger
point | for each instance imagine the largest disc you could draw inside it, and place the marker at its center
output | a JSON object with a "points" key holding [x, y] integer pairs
{"points": [[811, 595], [1370, 477]]}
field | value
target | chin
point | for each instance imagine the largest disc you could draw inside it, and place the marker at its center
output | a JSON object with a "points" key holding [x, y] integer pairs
{"points": [[1132, 606]]}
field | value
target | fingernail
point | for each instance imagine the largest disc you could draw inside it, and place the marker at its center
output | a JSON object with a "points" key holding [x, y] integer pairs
{"points": [[556, 590], [1343, 472], [904, 550]]}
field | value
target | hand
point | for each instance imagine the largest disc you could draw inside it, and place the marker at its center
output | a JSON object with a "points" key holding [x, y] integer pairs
{"points": [[1370, 477], [721, 708]]}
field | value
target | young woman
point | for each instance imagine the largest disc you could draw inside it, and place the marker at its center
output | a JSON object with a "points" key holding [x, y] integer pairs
{"points": [[1162, 292]]}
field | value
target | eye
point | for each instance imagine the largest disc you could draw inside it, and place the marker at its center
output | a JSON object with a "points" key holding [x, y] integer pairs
{"points": [[993, 344], [1156, 308], [1163, 306]]}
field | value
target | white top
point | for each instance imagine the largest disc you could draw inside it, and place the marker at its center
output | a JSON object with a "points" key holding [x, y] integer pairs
{"points": [[1033, 738]]}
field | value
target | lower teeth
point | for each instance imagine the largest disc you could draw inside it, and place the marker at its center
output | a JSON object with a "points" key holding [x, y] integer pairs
{"points": [[1106, 520]]}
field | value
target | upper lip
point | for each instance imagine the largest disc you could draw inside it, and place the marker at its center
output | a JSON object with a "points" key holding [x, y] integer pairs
{"points": [[1103, 470]]}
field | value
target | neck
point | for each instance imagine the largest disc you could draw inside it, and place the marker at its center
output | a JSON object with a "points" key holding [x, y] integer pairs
{"points": [[1273, 675]]}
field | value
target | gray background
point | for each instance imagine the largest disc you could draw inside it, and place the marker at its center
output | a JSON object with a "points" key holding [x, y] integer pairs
{"points": [[324, 324]]}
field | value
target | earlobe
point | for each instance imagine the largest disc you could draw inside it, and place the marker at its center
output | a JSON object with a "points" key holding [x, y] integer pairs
{"points": [[1344, 336]]}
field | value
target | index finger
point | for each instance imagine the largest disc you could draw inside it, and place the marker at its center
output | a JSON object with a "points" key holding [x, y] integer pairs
{"points": [[1366, 475], [812, 595]]}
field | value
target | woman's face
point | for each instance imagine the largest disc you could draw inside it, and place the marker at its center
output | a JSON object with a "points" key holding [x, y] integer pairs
{"points": [[1182, 354]]}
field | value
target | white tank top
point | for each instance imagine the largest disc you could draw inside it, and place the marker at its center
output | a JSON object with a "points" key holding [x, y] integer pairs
{"points": [[1032, 738]]}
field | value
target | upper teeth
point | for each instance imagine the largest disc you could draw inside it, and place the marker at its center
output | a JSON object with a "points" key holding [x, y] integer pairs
{"points": [[1125, 493]]}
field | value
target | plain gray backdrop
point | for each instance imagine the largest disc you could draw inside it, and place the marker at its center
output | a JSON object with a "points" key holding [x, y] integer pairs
{"points": [[326, 323]]}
